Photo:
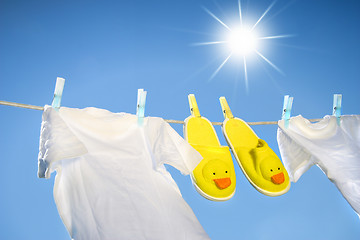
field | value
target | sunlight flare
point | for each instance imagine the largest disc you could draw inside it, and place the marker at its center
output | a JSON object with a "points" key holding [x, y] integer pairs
{"points": [[208, 43], [242, 41], [270, 63], [263, 15], [218, 69], [217, 19]]}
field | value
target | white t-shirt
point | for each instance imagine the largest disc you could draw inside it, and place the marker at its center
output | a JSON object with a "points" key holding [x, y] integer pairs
{"points": [[335, 149], [111, 181]]}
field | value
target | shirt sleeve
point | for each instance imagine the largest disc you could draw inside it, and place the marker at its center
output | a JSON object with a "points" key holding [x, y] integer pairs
{"points": [[296, 160], [57, 142], [170, 148]]}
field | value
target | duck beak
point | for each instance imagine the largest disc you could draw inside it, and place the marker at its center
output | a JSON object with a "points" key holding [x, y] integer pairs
{"points": [[222, 183], [278, 178]]}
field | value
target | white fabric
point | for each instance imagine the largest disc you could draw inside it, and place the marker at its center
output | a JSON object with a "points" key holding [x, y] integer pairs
{"points": [[111, 181], [335, 149]]}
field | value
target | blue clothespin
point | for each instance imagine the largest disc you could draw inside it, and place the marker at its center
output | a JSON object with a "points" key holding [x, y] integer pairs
{"points": [[287, 109], [337, 107], [59, 87], [140, 111]]}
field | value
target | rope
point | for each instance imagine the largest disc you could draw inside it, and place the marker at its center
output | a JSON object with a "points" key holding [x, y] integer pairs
{"points": [[21, 105]]}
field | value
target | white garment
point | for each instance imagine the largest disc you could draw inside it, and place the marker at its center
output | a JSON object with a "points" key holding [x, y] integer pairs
{"points": [[111, 181], [335, 149]]}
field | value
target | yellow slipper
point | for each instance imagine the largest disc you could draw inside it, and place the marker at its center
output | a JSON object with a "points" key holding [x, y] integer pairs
{"points": [[257, 160], [214, 177]]}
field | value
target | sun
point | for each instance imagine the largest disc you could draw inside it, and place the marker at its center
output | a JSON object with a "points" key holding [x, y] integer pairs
{"points": [[242, 41]]}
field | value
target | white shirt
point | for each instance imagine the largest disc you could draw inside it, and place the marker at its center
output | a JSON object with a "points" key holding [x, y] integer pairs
{"points": [[111, 181], [335, 149]]}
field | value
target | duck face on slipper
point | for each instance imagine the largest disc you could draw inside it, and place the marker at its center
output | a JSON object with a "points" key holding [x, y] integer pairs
{"points": [[269, 166], [273, 171], [215, 174]]}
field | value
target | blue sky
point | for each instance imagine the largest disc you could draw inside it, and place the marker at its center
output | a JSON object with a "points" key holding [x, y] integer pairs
{"points": [[106, 50]]}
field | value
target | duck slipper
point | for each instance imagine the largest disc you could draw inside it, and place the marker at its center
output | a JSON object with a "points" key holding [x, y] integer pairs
{"points": [[259, 163], [214, 177]]}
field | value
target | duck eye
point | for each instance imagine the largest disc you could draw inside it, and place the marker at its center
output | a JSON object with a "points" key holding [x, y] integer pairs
{"points": [[271, 170], [213, 173], [278, 168], [225, 171]]}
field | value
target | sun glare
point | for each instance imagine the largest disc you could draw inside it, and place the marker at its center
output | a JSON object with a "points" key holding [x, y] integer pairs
{"points": [[242, 41]]}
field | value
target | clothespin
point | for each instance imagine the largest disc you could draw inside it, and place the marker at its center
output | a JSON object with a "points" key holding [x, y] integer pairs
{"points": [[225, 108], [140, 111], [194, 109], [337, 107], [59, 87], [287, 109]]}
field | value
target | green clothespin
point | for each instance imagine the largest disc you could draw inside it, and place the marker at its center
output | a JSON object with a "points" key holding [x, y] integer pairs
{"points": [[140, 111], [59, 87], [287, 109], [337, 107]]}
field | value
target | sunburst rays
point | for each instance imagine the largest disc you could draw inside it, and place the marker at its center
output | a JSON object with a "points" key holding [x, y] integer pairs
{"points": [[243, 40]]}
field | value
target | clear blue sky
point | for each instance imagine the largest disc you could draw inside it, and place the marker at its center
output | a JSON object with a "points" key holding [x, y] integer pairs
{"points": [[106, 50]]}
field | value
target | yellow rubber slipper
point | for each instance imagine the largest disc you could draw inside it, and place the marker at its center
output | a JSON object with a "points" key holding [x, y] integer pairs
{"points": [[214, 177], [257, 160]]}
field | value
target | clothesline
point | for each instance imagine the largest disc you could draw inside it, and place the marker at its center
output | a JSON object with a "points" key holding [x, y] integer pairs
{"points": [[21, 105]]}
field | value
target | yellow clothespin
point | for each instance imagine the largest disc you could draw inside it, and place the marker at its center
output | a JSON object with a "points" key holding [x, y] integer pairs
{"points": [[194, 109], [225, 108]]}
